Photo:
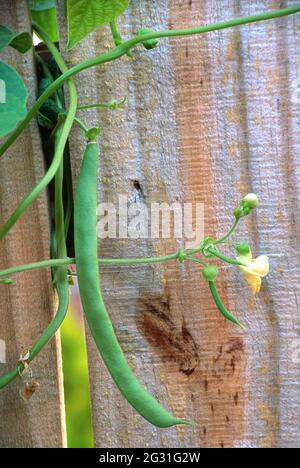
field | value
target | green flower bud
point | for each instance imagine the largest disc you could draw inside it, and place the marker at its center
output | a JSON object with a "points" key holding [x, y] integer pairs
{"points": [[243, 248], [151, 43], [210, 273], [238, 212], [248, 203], [246, 210], [250, 200]]}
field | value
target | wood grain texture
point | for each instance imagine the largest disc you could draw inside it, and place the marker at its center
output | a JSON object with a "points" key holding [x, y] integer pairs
{"points": [[27, 306], [208, 119]]}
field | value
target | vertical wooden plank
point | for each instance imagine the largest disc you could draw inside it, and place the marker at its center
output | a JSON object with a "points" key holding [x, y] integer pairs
{"points": [[28, 305], [250, 141], [208, 119]]}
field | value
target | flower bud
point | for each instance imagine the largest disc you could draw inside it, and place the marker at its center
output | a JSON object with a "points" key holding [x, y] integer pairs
{"points": [[246, 210], [243, 248], [238, 212], [247, 204], [250, 200], [150, 43], [210, 272]]}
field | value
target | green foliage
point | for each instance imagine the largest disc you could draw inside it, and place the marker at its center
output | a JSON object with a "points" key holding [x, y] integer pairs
{"points": [[75, 368], [19, 41], [43, 13], [41, 5], [84, 16], [13, 98], [49, 111]]}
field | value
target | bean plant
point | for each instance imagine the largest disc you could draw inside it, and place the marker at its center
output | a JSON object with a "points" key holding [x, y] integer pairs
{"points": [[58, 119]]}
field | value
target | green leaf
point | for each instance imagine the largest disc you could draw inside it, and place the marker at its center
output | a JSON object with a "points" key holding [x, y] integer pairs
{"points": [[84, 16], [47, 20], [13, 98], [41, 5], [20, 41]]}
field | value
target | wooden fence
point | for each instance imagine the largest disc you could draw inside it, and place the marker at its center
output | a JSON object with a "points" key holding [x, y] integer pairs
{"points": [[207, 119]]}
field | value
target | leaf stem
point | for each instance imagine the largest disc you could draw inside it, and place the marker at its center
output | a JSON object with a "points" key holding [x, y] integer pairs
{"points": [[81, 125], [115, 33], [223, 257], [196, 260]]}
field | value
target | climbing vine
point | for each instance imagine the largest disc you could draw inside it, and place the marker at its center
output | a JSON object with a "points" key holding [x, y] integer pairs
{"points": [[57, 119]]}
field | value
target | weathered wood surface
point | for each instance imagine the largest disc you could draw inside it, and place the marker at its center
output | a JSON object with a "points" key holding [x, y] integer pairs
{"points": [[208, 119], [27, 306]]}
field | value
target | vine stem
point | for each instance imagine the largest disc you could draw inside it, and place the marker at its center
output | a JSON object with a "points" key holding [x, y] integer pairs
{"points": [[104, 105], [102, 261], [59, 152], [229, 233], [61, 273], [126, 46]]}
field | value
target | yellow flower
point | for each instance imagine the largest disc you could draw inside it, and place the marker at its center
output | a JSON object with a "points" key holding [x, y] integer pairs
{"points": [[254, 270]]}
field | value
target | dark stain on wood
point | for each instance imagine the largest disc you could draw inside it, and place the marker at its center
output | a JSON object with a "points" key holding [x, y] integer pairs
{"points": [[173, 342], [236, 398], [235, 349], [232, 363], [220, 352], [235, 344], [205, 384]]}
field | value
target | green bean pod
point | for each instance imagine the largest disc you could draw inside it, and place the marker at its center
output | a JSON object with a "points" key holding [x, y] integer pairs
{"points": [[85, 221], [221, 306]]}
